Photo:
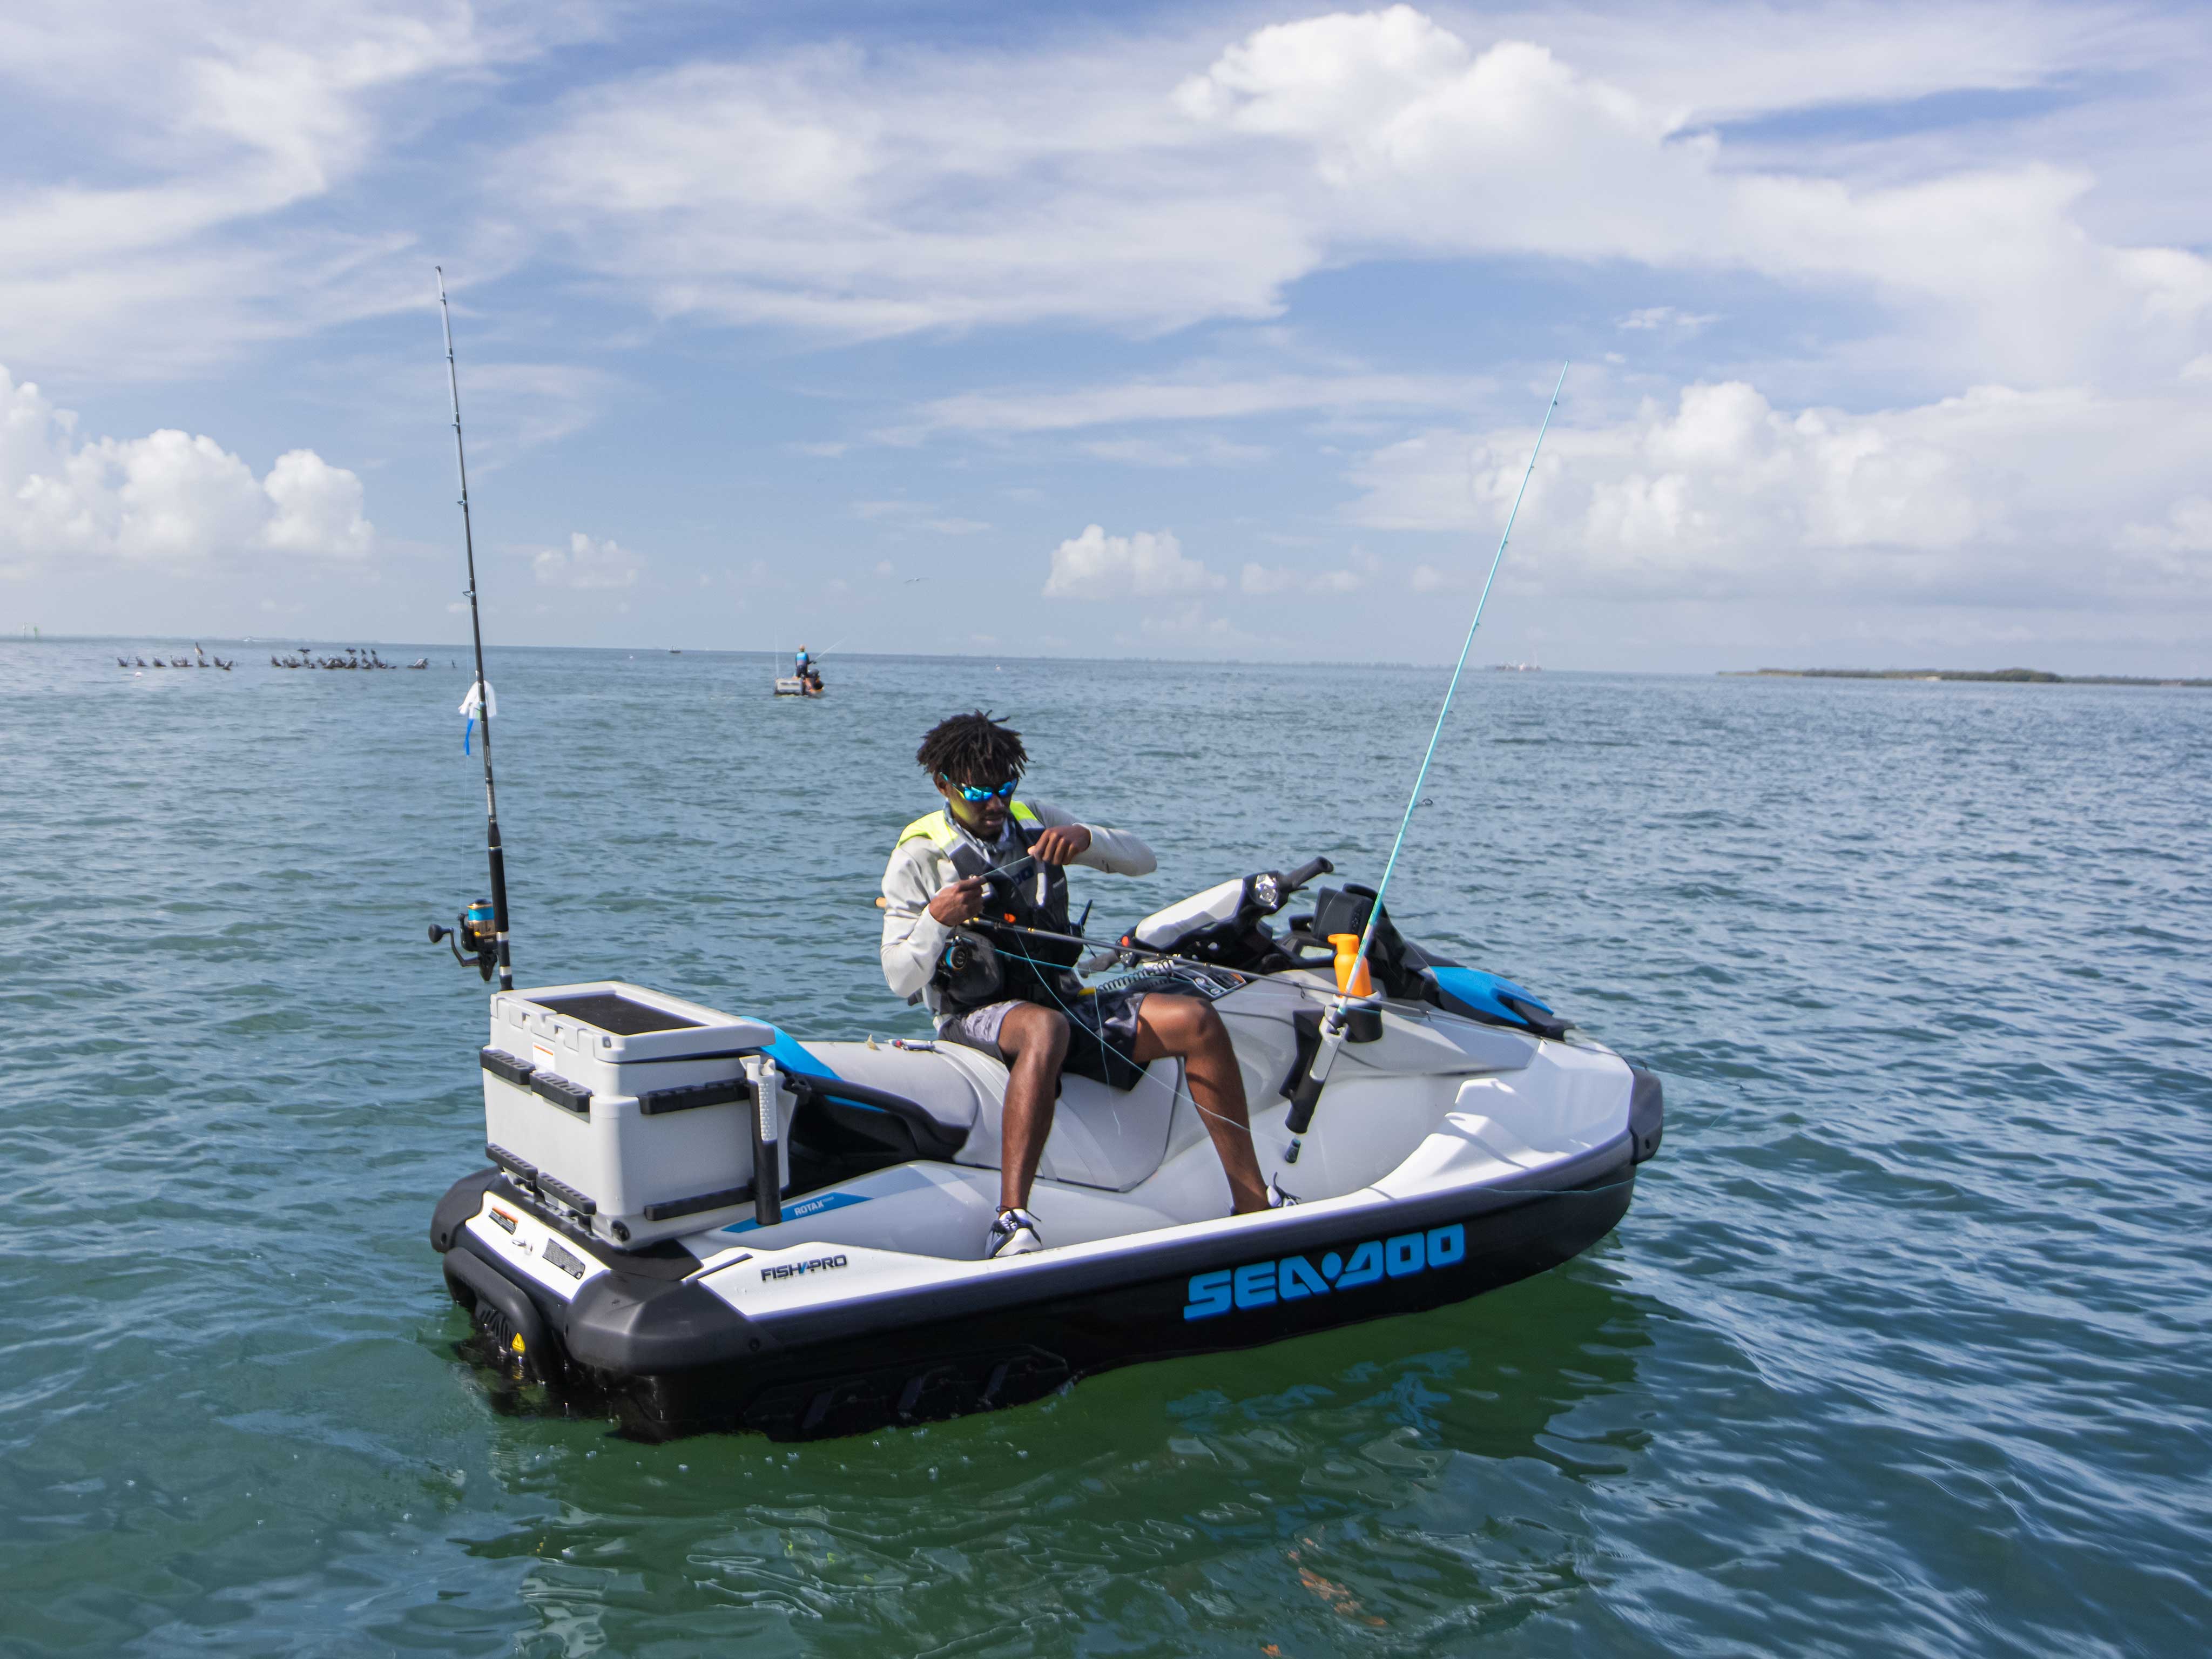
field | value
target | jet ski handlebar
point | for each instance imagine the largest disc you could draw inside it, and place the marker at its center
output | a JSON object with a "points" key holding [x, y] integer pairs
{"points": [[1270, 890]]}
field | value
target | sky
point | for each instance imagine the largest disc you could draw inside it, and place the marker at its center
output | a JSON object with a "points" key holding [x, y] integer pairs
{"points": [[1137, 331]]}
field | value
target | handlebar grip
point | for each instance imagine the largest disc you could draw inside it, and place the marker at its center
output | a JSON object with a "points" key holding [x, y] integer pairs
{"points": [[1305, 873]]}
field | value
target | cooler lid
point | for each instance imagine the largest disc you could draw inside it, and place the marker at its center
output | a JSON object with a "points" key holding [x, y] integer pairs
{"points": [[617, 1020]]}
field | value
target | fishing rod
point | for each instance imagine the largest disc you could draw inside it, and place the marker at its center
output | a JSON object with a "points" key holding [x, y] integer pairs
{"points": [[1340, 1013], [484, 926]]}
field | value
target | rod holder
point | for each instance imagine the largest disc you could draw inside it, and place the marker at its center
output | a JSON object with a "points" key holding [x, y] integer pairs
{"points": [[767, 1079]]}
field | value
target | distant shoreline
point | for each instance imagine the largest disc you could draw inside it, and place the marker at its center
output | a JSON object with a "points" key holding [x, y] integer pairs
{"points": [[1985, 676]]}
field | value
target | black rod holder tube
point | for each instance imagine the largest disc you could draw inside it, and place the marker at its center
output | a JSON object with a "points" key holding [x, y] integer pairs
{"points": [[768, 1161]]}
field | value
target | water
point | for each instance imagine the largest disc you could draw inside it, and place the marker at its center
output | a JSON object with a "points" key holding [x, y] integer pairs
{"points": [[1902, 1349]]}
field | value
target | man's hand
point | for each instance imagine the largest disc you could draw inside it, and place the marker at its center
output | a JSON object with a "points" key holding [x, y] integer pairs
{"points": [[962, 901], [1061, 844]]}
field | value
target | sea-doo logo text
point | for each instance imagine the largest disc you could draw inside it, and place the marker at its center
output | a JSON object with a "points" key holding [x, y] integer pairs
{"points": [[793, 1269], [1292, 1277]]}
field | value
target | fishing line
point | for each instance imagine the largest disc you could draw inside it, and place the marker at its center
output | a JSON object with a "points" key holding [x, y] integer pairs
{"points": [[1339, 1017], [1420, 778], [1107, 1043], [1103, 1041]]}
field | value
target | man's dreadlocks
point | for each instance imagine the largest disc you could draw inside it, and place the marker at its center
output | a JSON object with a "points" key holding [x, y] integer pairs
{"points": [[972, 749]]}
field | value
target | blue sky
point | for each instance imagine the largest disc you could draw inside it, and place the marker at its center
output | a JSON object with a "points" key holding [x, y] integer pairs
{"points": [[1167, 331]]}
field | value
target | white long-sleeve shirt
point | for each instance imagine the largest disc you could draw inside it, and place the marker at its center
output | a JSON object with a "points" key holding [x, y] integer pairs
{"points": [[918, 870]]}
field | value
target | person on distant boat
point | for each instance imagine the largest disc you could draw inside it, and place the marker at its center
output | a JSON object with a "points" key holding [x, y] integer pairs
{"points": [[1011, 995]]}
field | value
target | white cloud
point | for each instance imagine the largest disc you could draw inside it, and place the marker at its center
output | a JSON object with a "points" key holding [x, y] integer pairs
{"points": [[923, 515], [1190, 623], [587, 564], [1207, 398], [1998, 496], [1418, 140], [167, 499], [319, 507], [1653, 319], [1262, 579], [1206, 451], [2187, 529], [891, 190], [1147, 565], [514, 407], [196, 134]]}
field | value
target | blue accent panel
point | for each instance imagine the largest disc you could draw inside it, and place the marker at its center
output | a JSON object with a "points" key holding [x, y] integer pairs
{"points": [[808, 1207], [1480, 991], [791, 1055], [883, 1184]]}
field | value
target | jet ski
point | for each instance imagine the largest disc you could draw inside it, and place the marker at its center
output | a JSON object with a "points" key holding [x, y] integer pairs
{"points": [[693, 1221]]}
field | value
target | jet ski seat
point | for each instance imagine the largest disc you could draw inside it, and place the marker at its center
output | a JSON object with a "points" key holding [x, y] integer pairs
{"points": [[937, 1102], [1100, 1137]]}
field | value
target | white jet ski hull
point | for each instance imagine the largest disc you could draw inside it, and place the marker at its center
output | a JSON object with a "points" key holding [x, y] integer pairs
{"points": [[1449, 1157]]}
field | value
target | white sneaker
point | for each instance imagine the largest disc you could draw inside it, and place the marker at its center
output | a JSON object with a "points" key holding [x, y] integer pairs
{"points": [[1277, 1198], [1014, 1233]]}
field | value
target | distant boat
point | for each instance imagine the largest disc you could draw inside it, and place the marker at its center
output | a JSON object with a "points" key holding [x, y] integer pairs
{"points": [[1516, 668]]}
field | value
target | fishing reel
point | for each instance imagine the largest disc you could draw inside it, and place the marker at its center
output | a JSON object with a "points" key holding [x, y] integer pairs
{"points": [[476, 929], [970, 969]]}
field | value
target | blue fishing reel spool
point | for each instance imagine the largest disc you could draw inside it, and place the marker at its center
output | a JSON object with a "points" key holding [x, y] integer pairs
{"points": [[477, 928]]}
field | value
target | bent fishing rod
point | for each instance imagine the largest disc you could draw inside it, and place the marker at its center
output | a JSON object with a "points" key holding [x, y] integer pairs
{"points": [[486, 934], [1335, 1022]]}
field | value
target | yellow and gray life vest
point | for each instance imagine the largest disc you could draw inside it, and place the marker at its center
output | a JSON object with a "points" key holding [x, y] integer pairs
{"points": [[986, 961]]}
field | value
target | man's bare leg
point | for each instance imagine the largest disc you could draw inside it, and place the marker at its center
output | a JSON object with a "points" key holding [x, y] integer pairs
{"points": [[1187, 1028], [1034, 1040]]}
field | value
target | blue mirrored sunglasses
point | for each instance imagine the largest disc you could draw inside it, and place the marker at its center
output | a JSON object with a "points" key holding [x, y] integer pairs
{"points": [[969, 792]]}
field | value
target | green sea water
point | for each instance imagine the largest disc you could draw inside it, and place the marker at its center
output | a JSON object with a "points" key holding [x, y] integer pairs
{"points": [[1903, 1348]]}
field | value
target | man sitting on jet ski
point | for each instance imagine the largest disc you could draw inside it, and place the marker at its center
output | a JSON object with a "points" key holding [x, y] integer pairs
{"points": [[987, 859]]}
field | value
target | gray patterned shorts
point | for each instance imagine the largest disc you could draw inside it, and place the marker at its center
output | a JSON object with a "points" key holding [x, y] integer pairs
{"points": [[1102, 1035]]}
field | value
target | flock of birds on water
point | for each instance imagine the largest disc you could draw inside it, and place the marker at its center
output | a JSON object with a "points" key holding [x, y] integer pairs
{"points": [[199, 659], [355, 658]]}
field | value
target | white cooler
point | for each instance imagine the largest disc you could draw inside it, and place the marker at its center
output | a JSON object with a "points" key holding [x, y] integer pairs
{"points": [[627, 1106]]}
